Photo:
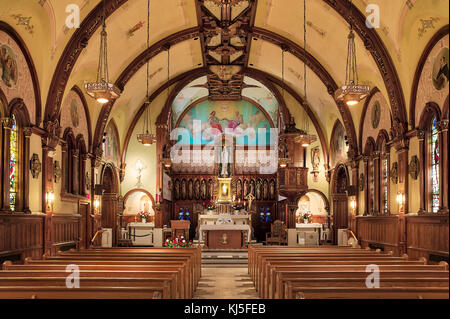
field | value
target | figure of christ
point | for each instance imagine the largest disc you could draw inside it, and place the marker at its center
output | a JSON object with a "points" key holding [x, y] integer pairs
{"points": [[224, 161]]}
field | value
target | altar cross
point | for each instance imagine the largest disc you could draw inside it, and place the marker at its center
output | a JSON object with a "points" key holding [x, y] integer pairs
{"points": [[250, 198]]}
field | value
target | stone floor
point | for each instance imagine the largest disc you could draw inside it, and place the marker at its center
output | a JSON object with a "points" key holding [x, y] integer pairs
{"points": [[225, 283]]}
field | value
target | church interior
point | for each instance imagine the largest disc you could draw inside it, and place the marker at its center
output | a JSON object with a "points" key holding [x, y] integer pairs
{"points": [[208, 149]]}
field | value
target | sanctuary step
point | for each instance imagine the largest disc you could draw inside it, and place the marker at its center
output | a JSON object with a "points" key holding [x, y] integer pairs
{"points": [[235, 258]]}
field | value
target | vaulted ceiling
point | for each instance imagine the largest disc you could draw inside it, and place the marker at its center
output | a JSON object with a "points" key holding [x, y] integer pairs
{"points": [[255, 47]]}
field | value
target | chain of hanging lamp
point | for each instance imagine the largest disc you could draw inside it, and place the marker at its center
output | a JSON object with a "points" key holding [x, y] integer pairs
{"points": [[147, 138]]}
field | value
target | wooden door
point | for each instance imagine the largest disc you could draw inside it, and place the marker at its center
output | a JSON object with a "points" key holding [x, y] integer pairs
{"points": [[83, 210], [340, 200]]}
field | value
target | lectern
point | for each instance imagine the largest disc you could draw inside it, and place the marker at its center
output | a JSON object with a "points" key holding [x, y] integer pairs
{"points": [[180, 227]]}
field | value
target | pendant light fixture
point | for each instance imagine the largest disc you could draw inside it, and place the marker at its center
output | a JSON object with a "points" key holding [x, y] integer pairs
{"points": [[102, 90], [147, 138], [304, 138], [352, 92]]}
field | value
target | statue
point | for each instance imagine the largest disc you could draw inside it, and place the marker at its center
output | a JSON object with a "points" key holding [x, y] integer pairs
{"points": [[224, 161]]}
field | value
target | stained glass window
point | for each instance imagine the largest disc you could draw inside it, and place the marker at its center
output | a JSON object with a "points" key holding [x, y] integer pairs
{"points": [[13, 163], [434, 153], [385, 184]]}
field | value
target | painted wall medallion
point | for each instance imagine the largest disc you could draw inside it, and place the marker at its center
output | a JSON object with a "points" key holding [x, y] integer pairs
{"points": [[376, 114], [35, 166], [8, 66], [394, 173], [56, 171], [413, 167], [440, 69]]}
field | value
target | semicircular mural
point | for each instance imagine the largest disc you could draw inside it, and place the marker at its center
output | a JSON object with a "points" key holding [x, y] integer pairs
{"points": [[206, 120]]}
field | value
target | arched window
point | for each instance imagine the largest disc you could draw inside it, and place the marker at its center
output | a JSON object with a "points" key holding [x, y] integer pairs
{"points": [[13, 164], [434, 164], [384, 179]]}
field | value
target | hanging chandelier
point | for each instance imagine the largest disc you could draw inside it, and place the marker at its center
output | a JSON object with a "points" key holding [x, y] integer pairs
{"points": [[147, 138], [351, 93], [304, 139], [102, 90]]}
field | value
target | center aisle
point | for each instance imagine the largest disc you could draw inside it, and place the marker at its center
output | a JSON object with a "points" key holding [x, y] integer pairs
{"points": [[225, 276], [225, 283]]}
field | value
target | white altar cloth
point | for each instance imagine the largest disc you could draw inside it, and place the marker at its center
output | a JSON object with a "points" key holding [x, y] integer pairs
{"points": [[203, 228], [141, 233]]}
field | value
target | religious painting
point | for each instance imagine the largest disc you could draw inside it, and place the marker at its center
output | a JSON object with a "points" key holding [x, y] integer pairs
{"points": [[240, 119], [177, 189], [111, 144], [258, 189], [8, 66], [440, 69], [203, 189], [376, 114], [211, 188], [183, 189], [197, 189], [239, 189], [272, 189], [75, 118], [338, 147], [137, 202], [245, 188], [265, 189], [167, 187], [190, 189]]}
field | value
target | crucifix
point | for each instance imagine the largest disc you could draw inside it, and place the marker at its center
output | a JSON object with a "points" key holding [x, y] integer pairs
{"points": [[250, 199]]}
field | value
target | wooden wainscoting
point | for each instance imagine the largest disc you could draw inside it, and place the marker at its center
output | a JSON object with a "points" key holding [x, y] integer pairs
{"points": [[427, 234], [65, 231], [378, 232], [21, 235]]}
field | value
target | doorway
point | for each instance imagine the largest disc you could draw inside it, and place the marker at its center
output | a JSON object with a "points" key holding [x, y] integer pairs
{"points": [[85, 229], [110, 203]]}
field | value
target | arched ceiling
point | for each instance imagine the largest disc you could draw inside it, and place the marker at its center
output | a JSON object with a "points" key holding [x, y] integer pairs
{"points": [[404, 32]]}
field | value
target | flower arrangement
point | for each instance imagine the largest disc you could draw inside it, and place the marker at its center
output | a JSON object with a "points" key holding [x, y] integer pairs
{"points": [[211, 206], [306, 216], [144, 215], [177, 243]]}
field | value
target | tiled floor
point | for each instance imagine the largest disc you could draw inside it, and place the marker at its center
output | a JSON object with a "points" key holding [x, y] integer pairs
{"points": [[225, 283]]}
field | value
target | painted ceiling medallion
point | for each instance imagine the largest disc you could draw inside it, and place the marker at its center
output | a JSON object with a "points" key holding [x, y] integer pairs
{"points": [[227, 2], [225, 72]]}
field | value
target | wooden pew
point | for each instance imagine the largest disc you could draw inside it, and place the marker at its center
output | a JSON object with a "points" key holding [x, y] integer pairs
{"points": [[182, 281], [174, 292], [378, 293], [284, 277], [55, 292]]}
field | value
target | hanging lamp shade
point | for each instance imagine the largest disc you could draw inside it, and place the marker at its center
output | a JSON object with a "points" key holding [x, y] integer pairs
{"points": [[352, 92], [102, 89]]}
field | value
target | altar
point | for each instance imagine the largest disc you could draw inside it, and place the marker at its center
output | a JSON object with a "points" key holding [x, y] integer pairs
{"points": [[141, 234], [308, 234]]}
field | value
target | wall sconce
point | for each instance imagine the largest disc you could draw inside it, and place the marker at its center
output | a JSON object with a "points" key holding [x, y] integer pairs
{"points": [[167, 163], [96, 203], [50, 198], [400, 198], [353, 204]]}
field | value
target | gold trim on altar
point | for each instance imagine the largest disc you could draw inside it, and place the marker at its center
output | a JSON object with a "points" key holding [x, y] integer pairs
{"points": [[224, 190]]}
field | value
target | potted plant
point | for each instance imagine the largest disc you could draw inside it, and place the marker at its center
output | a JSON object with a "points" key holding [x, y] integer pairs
{"points": [[306, 217], [144, 216], [177, 243]]}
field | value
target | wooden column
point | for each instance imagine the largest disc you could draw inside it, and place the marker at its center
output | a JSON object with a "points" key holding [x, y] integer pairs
{"points": [[422, 171], [75, 171], [402, 147], [443, 167], [47, 185], [366, 186], [25, 198], [6, 124], [158, 215], [376, 186], [355, 182]]}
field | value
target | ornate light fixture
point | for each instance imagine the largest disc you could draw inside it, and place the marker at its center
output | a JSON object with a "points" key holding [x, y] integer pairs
{"points": [[352, 92], [147, 138], [102, 90]]}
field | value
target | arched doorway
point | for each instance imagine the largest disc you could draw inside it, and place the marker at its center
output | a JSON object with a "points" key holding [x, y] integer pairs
{"points": [[110, 204], [339, 199]]}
